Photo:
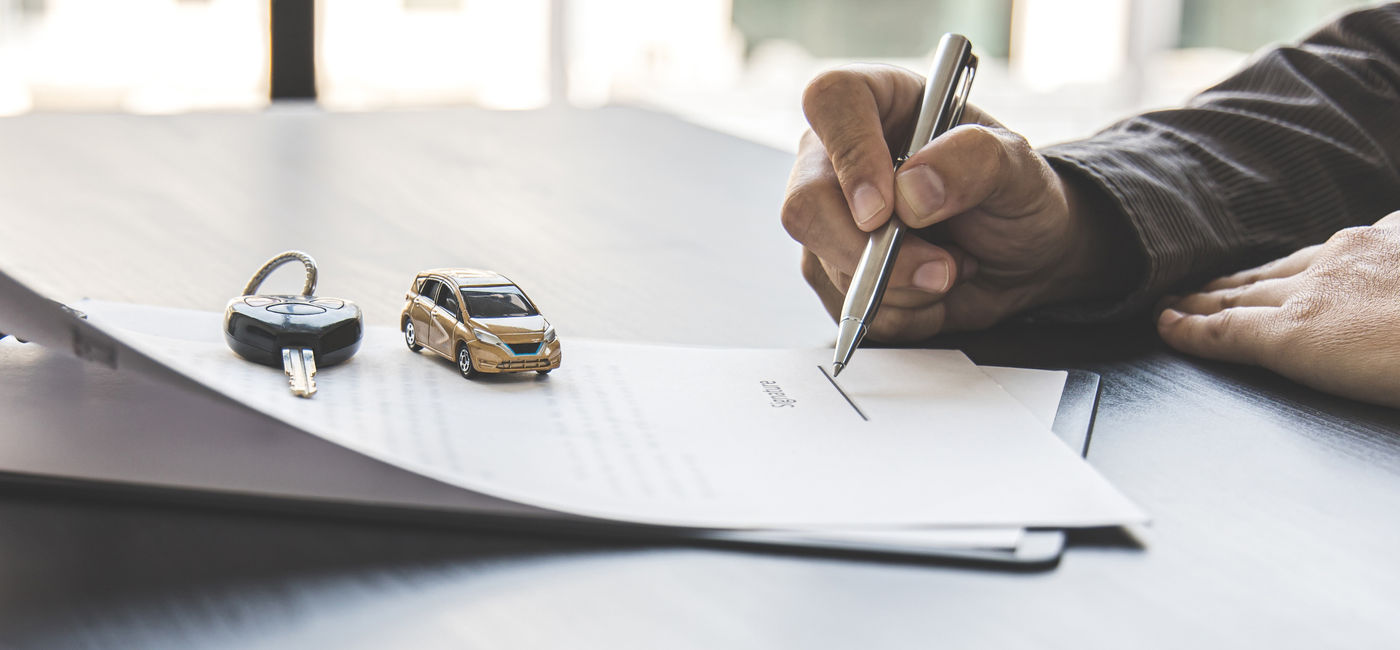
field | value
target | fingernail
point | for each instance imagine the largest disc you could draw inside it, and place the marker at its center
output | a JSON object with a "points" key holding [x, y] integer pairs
{"points": [[921, 189], [933, 276], [866, 202], [1169, 316]]}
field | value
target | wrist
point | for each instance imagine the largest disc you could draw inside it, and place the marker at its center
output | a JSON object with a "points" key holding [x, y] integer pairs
{"points": [[1103, 258]]}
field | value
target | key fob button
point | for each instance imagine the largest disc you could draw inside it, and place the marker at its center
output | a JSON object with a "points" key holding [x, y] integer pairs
{"points": [[329, 303], [258, 301], [297, 309]]}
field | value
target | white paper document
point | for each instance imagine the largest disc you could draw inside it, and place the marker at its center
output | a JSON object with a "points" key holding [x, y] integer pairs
{"points": [[673, 435]]}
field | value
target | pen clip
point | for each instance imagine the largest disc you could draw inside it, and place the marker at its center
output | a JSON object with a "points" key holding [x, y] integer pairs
{"points": [[964, 87], [945, 92], [951, 112]]}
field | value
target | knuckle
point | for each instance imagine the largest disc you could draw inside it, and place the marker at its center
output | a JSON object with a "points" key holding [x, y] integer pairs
{"points": [[1226, 329], [1348, 238], [992, 153], [1231, 297], [1250, 276], [836, 81], [1352, 272], [979, 143], [990, 149], [1328, 271], [1303, 307], [1014, 145], [1295, 326], [1220, 326], [796, 214], [979, 153], [1242, 279], [850, 155]]}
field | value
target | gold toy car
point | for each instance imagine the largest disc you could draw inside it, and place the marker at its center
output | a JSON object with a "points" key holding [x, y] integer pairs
{"points": [[479, 319]]}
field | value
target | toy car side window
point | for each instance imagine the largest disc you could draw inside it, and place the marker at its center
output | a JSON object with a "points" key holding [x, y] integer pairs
{"points": [[430, 289], [449, 302]]}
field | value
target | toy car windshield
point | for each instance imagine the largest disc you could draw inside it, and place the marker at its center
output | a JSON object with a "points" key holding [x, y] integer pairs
{"points": [[497, 302]]}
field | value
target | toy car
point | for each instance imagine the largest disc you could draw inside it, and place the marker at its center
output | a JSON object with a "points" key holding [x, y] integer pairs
{"points": [[479, 319]]}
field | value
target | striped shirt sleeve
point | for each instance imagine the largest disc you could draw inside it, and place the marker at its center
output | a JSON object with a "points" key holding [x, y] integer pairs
{"points": [[1299, 144]]}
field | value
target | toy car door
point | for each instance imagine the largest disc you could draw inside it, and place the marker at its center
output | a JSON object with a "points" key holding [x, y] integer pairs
{"points": [[422, 309], [445, 318]]}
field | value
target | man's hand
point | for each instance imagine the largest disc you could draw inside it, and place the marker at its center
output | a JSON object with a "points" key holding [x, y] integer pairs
{"points": [[1327, 316], [1010, 233]]}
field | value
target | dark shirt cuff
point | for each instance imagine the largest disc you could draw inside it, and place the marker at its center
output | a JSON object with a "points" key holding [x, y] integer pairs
{"points": [[1164, 199]]}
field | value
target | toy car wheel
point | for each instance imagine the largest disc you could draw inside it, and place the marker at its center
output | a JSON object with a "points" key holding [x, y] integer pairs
{"points": [[464, 363], [410, 336], [545, 371]]}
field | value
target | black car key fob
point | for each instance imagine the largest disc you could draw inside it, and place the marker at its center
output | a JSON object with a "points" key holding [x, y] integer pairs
{"points": [[296, 332]]}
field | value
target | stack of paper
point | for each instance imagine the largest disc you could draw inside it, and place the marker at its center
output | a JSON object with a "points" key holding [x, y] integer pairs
{"points": [[907, 448]]}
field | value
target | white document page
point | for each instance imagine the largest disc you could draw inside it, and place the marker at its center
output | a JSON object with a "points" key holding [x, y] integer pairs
{"points": [[678, 435], [1037, 390]]}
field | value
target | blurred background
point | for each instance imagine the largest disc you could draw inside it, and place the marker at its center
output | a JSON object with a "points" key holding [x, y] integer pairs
{"points": [[1052, 69]]}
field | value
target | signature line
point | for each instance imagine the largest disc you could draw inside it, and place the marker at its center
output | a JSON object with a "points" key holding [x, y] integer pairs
{"points": [[843, 393]]}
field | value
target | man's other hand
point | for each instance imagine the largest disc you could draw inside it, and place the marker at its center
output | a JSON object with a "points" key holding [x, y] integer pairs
{"points": [[1327, 316], [1002, 231]]}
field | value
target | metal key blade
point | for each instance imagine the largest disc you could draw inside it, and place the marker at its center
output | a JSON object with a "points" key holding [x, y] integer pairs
{"points": [[300, 366]]}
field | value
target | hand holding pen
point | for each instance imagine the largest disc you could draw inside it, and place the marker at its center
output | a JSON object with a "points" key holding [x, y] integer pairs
{"points": [[999, 230], [945, 96]]}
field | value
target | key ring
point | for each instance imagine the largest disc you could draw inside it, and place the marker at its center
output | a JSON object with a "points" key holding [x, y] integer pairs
{"points": [[273, 264]]}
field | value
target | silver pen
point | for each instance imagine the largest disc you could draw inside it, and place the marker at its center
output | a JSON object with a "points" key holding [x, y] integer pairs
{"points": [[945, 95]]}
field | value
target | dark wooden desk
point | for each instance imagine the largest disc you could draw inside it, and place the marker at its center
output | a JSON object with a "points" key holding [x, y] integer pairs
{"points": [[1275, 506]]}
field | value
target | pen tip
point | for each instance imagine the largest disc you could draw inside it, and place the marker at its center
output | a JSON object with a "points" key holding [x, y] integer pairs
{"points": [[836, 368]]}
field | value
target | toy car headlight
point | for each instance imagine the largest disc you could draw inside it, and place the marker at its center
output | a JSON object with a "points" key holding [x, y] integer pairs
{"points": [[487, 337], [549, 334]]}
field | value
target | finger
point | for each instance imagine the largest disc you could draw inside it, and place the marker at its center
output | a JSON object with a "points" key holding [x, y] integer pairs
{"points": [[815, 212], [838, 279], [903, 325], [816, 215], [817, 278], [849, 109], [1272, 292], [892, 322], [920, 286], [971, 166], [1283, 267], [1241, 335], [912, 287], [920, 281]]}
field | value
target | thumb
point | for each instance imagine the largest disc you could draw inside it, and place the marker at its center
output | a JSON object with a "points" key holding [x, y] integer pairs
{"points": [[972, 166]]}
